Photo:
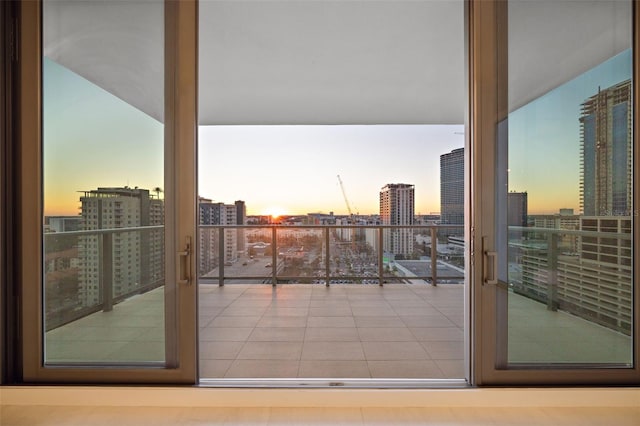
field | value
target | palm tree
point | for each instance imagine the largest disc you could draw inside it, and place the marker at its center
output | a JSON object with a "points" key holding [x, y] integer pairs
{"points": [[157, 190]]}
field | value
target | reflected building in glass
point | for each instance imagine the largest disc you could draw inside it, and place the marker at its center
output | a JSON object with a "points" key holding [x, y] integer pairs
{"points": [[589, 272], [517, 209], [605, 133], [137, 256]]}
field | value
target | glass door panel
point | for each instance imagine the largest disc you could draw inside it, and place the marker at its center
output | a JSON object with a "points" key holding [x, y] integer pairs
{"points": [[553, 152], [110, 224], [103, 147], [568, 201]]}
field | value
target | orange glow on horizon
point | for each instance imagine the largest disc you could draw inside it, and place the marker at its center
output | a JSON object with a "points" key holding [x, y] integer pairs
{"points": [[275, 212]]}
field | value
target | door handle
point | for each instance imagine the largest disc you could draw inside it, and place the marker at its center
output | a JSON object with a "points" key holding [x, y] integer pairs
{"points": [[489, 265], [490, 278], [184, 264]]}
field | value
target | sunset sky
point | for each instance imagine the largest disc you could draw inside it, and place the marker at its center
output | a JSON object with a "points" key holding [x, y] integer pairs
{"points": [[294, 169], [93, 139]]}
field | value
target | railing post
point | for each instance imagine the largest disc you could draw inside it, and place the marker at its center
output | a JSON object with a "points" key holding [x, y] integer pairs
{"points": [[221, 257], [327, 258], [434, 257], [380, 257], [106, 279], [552, 265], [274, 255]]}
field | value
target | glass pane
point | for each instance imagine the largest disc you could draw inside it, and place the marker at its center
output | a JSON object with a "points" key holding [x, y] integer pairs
{"points": [[307, 130], [327, 316], [568, 208], [103, 145]]}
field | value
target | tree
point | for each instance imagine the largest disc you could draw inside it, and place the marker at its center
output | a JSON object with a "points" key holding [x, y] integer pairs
{"points": [[158, 191]]}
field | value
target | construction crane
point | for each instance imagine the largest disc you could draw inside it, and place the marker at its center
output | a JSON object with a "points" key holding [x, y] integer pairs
{"points": [[344, 194], [352, 236]]}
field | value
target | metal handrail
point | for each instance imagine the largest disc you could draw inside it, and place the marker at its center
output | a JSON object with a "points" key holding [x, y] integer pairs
{"points": [[578, 232], [580, 294], [106, 274], [91, 232], [276, 278]]}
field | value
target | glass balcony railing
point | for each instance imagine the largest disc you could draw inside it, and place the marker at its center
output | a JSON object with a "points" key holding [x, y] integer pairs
{"points": [[582, 272], [330, 254], [91, 271]]}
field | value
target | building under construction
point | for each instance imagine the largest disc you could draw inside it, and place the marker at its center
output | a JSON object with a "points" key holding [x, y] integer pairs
{"points": [[606, 142]]}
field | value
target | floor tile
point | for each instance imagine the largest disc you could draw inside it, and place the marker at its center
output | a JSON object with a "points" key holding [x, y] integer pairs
{"points": [[375, 321], [444, 350], [451, 368], [271, 350], [243, 311], [214, 368], [372, 311], [262, 369], [282, 322], [385, 334], [331, 322], [286, 312], [277, 334], [244, 321], [393, 351], [426, 334], [228, 334], [332, 351], [427, 321], [220, 350], [331, 334], [330, 311]]}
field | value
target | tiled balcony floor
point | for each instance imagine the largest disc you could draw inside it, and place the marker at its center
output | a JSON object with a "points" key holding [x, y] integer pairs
{"points": [[343, 331]]}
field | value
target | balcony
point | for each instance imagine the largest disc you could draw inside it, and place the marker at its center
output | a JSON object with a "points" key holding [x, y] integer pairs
{"points": [[345, 330], [335, 317]]}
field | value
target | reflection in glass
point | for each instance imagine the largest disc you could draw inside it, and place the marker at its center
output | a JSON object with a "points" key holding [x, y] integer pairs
{"points": [[569, 218], [103, 177]]}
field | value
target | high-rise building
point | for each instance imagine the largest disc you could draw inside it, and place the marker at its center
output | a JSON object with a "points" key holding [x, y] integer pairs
{"points": [[234, 240], [594, 281], [241, 219], [137, 256], [605, 133], [517, 209], [452, 189], [63, 223], [397, 207]]}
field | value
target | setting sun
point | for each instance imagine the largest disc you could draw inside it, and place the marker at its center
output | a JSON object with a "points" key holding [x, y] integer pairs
{"points": [[275, 212]]}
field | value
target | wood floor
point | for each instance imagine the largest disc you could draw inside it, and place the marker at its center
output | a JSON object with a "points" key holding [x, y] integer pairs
{"points": [[197, 416], [198, 406]]}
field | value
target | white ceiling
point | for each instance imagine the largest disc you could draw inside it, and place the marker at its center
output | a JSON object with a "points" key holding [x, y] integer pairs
{"points": [[329, 62], [332, 62]]}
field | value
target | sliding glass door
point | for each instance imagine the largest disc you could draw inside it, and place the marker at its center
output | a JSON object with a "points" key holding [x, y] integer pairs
{"points": [[557, 215], [107, 259]]}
